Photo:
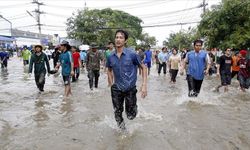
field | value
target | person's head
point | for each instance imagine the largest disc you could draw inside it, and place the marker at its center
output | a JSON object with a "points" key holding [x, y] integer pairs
{"points": [[57, 48], [38, 48], [121, 38], [111, 45], [243, 53], [64, 46], [174, 51], [73, 49], [164, 49], [198, 45], [228, 52], [93, 46]]}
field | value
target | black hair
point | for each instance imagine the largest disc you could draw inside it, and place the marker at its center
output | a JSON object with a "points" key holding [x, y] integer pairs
{"points": [[68, 47], [74, 47], [125, 33], [111, 42], [198, 41], [164, 48]]}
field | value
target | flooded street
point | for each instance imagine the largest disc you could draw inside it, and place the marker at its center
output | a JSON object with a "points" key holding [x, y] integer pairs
{"points": [[167, 119]]}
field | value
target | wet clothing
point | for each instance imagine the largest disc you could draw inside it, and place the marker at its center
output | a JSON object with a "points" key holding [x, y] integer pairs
{"points": [[26, 56], [66, 80], [39, 68], [76, 58], [124, 68], [118, 98], [174, 73], [235, 66], [4, 59], [93, 67], [195, 72], [142, 55], [194, 86], [225, 63], [93, 60], [39, 63], [196, 64], [174, 61], [55, 57], [244, 73], [65, 59], [164, 66], [124, 87], [93, 75], [244, 67], [147, 60]]}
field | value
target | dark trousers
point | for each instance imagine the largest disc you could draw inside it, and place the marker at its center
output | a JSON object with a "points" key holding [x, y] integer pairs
{"points": [[173, 74], [76, 74], [164, 66], [93, 74], [4, 64], [40, 81], [194, 86], [118, 98]]}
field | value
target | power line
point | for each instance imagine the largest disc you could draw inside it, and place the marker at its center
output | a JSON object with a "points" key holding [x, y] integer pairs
{"points": [[13, 6], [167, 13]]}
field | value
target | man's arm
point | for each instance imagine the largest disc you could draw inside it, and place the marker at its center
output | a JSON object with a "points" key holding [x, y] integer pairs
{"points": [[110, 77], [47, 63], [208, 62], [144, 80], [31, 64]]}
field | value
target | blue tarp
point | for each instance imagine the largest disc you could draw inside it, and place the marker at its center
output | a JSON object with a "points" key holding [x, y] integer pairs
{"points": [[6, 39]]}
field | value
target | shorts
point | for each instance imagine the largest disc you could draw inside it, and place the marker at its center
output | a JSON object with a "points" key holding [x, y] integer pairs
{"points": [[147, 64], [66, 80], [225, 79]]}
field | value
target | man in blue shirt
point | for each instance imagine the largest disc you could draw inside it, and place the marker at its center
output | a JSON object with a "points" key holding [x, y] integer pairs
{"points": [[148, 58], [163, 58], [198, 65], [122, 67], [66, 61]]}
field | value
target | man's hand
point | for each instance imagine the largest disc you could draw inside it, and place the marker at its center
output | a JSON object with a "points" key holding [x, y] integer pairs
{"points": [[72, 73], [206, 72], [143, 90], [218, 74]]}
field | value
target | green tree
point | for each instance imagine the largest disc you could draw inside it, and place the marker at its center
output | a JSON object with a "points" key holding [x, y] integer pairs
{"points": [[145, 40], [181, 39], [227, 25], [100, 26]]}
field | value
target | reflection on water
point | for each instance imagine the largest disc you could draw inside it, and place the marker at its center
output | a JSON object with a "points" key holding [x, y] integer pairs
{"points": [[40, 116]]}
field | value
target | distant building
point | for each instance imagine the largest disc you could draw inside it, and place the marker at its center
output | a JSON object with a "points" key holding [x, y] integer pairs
{"points": [[30, 38]]}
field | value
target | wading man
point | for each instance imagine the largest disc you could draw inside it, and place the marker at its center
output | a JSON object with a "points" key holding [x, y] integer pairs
{"points": [[122, 67], [198, 65], [39, 59]]}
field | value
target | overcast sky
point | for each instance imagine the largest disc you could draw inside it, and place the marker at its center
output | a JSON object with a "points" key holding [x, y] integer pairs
{"points": [[152, 12]]}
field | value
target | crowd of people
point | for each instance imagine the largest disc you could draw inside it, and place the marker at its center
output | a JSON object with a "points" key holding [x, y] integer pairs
{"points": [[122, 64]]}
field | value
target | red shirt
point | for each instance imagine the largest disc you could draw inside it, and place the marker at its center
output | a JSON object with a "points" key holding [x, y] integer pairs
{"points": [[76, 57], [244, 64]]}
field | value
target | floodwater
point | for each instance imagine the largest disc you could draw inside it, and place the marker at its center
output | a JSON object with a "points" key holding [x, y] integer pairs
{"points": [[167, 118]]}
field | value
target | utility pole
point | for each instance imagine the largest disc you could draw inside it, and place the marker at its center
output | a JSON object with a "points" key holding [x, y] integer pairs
{"points": [[204, 6], [38, 19]]}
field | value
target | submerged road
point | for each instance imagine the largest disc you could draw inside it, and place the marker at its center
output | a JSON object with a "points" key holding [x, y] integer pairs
{"points": [[167, 118]]}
